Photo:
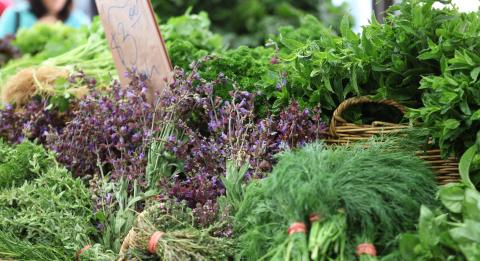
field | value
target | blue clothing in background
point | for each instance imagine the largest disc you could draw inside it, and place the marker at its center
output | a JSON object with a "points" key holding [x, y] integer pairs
{"points": [[27, 19]]}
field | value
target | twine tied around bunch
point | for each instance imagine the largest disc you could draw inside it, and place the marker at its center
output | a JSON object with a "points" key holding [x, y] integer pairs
{"points": [[314, 218], [152, 243], [80, 252], [297, 227], [366, 249]]}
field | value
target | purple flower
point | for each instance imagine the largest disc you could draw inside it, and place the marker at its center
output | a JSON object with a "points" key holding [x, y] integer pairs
{"points": [[279, 86], [100, 226], [108, 198], [213, 125], [111, 132], [274, 60], [221, 130]]}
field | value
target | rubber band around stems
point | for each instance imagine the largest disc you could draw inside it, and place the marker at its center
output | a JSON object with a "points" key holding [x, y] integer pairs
{"points": [[152, 243], [366, 249], [85, 248], [297, 227], [314, 218]]}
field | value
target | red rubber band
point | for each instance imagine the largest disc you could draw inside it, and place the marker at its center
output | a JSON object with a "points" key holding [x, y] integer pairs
{"points": [[85, 248], [297, 227], [314, 217], [152, 243], [366, 249]]}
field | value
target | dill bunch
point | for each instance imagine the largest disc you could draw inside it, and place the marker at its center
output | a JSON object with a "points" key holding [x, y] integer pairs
{"points": [[372, 190]]}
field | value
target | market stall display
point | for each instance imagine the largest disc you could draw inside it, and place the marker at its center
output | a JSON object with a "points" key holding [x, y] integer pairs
{"points": [[318, 144]]}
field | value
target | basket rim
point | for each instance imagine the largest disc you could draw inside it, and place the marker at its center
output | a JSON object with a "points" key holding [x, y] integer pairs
{"points": [[337, 118]]}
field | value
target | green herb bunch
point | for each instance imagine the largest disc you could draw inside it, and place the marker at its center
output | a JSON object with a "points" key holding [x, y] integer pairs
{"points": [[451, 232], [353, 191], [266, 71], [247, 69], [97, 253], [181, 238], [89, 54], [384, 60], [47, 215], [451, 99], [422, 56], [320, 68], [188, 38], [248, 22], [44, 41], [116, 206], [21, 163]]}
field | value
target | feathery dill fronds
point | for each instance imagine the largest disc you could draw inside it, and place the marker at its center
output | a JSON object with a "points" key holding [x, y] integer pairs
{"points": [[377, 187]]}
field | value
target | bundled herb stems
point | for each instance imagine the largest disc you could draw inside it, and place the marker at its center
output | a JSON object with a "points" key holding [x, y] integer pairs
{"points": [[365, 248], [168, 231], [348, 195], [328, 238], [182, 244]]}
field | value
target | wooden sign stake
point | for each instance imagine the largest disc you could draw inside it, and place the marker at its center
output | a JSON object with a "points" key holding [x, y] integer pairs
{"points": [[135, 40]]}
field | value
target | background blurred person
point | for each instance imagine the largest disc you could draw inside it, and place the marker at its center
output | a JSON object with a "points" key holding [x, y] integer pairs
{"points": [[26, 14], [4, 4]]}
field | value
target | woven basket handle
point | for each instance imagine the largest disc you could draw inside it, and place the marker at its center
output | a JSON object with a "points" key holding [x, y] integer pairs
{"points": [[337, 114]]}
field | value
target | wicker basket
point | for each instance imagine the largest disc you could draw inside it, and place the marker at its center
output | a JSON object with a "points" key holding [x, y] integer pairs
{"points": [[343, 133]]}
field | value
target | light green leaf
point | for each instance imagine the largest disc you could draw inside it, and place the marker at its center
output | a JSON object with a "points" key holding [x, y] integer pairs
{"points": [[471, 205], [427, 227], [464, 167], [443, 64], [61, 82], [328, 85], [346, 30], [100, 216], [468, 59], [354, 82], [119, 222], [292, 44], [475, 116], [474, 73], [448, 125], [133, 201], [468, 232], [471, 251], [150, 193], [452, 196], [464, 107], [448, 97], [407, 243]]}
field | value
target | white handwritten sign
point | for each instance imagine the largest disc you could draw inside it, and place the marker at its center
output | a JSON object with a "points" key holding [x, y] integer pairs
{"points": [[135, 40]]}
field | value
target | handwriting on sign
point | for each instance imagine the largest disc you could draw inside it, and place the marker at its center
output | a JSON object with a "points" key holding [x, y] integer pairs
{"points": [[135, 40]]}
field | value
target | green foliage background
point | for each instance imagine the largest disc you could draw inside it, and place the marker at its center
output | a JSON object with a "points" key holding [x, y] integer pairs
{"points": [[248, 22]]}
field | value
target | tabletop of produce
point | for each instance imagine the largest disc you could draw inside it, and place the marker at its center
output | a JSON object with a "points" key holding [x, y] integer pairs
{"points": [[283, 135]]}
